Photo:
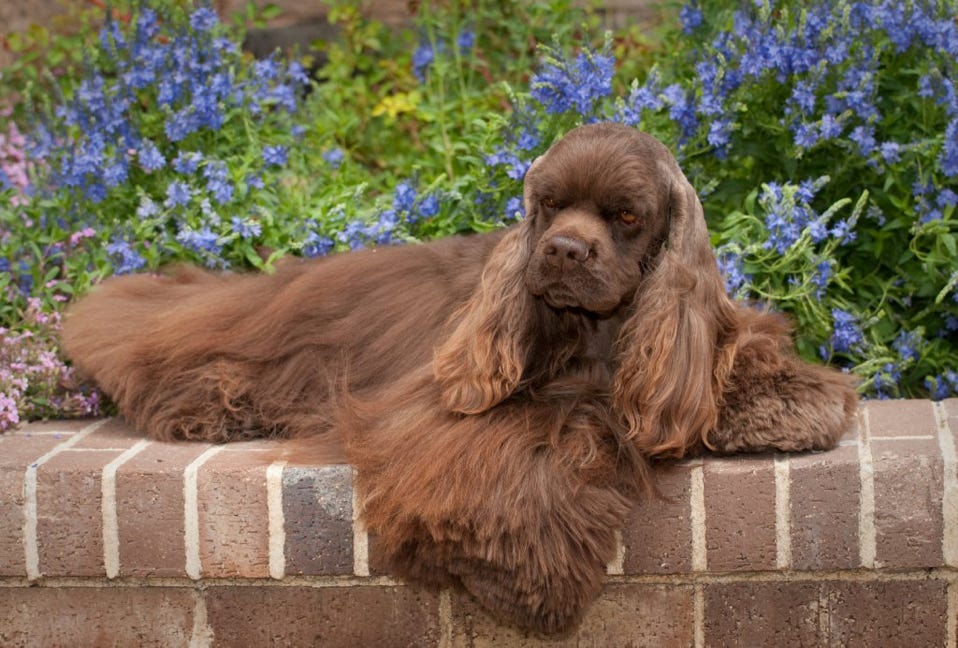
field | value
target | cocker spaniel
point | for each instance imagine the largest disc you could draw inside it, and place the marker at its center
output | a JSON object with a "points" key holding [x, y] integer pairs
{"points": [[499, 395]]}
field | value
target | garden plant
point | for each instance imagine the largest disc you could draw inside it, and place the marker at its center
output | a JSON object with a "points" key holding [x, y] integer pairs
{"points": [[822, 138]]}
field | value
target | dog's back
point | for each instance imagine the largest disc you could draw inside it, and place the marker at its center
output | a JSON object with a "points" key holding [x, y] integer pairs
{"points": [[192, 354]]}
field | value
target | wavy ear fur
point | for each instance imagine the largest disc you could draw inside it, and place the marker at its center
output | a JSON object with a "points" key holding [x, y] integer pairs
{"points": [[675, 352], [482, 360]]}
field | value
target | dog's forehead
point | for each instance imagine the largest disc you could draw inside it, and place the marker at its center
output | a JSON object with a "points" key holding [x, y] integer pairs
{"points": [[614, 136], [604, 160]]}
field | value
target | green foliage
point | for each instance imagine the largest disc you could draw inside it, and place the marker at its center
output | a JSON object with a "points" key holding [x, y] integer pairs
{"points": [[823, 139]]}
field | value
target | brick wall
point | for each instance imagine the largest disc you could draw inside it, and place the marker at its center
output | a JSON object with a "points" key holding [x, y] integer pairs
{"points": [[108, 539]]}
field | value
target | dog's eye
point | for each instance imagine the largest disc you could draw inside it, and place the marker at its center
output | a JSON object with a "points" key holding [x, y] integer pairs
{"points": [[628, 218], [549, 203]]}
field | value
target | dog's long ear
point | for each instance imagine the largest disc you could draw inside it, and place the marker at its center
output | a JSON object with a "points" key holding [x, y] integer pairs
{"points": [[674, 353], [482, 360]]}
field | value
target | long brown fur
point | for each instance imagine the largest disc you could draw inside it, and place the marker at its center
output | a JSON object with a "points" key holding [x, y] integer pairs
{"points": [[499, 395]]}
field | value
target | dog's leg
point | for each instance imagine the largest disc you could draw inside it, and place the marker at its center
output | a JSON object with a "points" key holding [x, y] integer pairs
{"points": [[782, 403], [519, 504]]}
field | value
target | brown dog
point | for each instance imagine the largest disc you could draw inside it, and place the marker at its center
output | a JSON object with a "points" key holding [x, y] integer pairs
{"points": [[501, 392]]}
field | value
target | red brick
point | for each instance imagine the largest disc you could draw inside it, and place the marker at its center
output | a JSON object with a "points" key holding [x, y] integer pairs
{"points": [[149, 506], [318, 514], [753, 614], [908, 494], [825, 492], [17, 452], [331, 617], [233, 516], [887, 613], [740, 513], [625, 614], [115, 434], [658, 533], [94, 616], [69, 518], [890, 418]]}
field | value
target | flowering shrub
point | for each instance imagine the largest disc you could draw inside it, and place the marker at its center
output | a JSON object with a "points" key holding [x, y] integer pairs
{"points": [[823, 139], [33, 378], [843, 118], [14, 165]]}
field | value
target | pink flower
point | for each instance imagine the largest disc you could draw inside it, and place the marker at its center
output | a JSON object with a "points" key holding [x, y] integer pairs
{"points": [[85, 233]]}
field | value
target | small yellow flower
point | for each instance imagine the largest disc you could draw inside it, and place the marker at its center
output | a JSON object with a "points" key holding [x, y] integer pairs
{"points": [[396, 104]]}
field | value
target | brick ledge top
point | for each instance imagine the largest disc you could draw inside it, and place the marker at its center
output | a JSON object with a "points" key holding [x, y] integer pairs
{"points": [[95, 499]]}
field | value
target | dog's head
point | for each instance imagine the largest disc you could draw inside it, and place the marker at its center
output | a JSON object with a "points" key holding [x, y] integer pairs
{"points": [[598, 205], [612, 227]]}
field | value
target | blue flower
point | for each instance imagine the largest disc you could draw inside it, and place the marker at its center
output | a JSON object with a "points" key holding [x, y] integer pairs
{"points": [[181, 124], [204, 242], [178, 194], [907, 344], [938, 387], [316, 245], [527, 140], [691, 18], [25, 280], [821, 278], [946, 197], [466, 40], [296, 73], [116, 172], [562, 85], [186, 162], [275, 155], [864, 137], [125, 259], [203, 19], [885, 382], [95, 192], [805, 135], [681, 109], [150, 157], [830, 126], [846, 334], [147, 208], [516, 167], [422, 58], [731, 266], [948, 159], [355, 234], [334, 157], [803, 96], [405, 196], [218, 182], [818, 230], [842, 230], [246, 228], [891, 152], [719, 135], [429, 206], [515, 210], [641, 97]]}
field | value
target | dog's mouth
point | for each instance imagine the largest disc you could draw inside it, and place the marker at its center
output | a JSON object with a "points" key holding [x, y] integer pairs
{"points": [[558, 296]]}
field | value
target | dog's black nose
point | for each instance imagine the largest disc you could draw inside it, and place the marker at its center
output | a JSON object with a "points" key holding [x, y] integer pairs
{"points": [[562, 249]]}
